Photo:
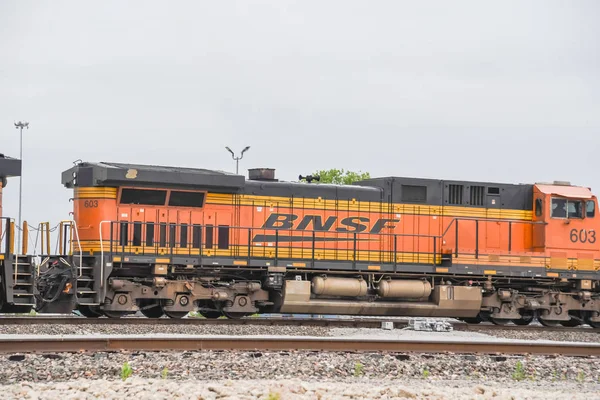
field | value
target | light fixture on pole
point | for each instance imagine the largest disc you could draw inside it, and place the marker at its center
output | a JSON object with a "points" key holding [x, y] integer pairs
{"points": [[237, 159], [20, 125]]}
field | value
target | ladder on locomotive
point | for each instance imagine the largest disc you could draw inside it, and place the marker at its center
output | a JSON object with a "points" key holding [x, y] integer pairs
{"points": [[86, 284], [23, 280], [17, 269]]}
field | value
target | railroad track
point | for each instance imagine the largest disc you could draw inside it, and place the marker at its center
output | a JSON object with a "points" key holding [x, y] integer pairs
{"points": [[53, 344], [272, 321]]}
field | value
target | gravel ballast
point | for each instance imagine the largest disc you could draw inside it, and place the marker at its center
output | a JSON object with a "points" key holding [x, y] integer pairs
{"points": [[567, 336], [139, 388], [306, 365], [183, 329], [295, 374]]}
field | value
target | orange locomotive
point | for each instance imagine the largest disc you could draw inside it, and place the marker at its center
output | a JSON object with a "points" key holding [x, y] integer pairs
{"points": [[167, 240]]}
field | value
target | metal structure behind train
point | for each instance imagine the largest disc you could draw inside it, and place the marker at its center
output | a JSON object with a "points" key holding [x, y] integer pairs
{"points": [[167, 240], [16, 273]]}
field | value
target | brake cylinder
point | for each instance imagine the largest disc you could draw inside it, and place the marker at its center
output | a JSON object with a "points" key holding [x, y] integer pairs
{"points": [[408, 289], [347, 287]]}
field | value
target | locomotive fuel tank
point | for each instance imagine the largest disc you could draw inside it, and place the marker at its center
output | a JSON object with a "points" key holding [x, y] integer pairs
{"points": [[407, 289], [346, 287]]}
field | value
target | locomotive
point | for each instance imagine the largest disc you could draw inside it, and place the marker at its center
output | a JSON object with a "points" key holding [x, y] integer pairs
{"points": [[167, 240]]}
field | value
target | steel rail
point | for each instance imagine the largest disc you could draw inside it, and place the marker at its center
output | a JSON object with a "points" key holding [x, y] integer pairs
{"points": [[275, 321], [50, 344]]}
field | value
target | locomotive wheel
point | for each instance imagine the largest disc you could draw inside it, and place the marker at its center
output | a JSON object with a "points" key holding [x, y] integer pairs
{"points": [[90, 312], [549, 323], [211, 314], [235, 315], [475, 320], [115, 314], [499, 321], [152, 312], [175, 314], [595, 325], [527, 317], [573, 322]]}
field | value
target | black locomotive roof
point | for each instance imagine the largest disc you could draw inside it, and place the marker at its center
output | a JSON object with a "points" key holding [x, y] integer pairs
{"points": [[118, 174], [9, 166], [394, 189]]}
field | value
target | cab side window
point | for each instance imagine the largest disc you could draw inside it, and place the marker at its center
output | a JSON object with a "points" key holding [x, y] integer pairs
{"points": [[563, 208], [574, 209], [559, 208], [538, 207], [590, 208]]}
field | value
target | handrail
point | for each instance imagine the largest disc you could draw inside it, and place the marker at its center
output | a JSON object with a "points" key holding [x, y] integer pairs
{"points": [[11, 232], [490, 220], [169, 241], [74, 225], [360, 233], [102, 252], [11, 246], [5, 235], [41, 227], [510, 221], [25, 235], [163, 238]]}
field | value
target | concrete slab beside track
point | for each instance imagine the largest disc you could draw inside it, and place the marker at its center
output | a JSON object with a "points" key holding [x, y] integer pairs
{"points": [[77, 343]]}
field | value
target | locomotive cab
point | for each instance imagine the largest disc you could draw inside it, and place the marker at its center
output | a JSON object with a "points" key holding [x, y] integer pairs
{"points": [[566, 225]]}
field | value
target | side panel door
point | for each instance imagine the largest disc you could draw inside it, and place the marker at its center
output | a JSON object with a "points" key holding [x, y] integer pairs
{"points": [[540, 211]]}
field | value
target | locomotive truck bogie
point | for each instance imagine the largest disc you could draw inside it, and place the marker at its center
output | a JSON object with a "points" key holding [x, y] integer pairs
{"points": [[179, 297]]}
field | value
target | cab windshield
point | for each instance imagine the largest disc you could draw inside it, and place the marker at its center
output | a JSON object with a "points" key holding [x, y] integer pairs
{"points": [[565, 208]]}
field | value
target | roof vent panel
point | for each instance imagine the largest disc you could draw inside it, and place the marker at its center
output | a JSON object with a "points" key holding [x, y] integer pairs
{"points": [[262, 174]]}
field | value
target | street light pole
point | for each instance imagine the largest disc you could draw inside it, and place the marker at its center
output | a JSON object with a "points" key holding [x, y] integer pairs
{"points": [[20, 125], [237, 159]]}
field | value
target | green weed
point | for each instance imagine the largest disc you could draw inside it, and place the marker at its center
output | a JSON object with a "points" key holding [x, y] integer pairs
{"points": [[126, 371], [358, 369], [519, 372]]}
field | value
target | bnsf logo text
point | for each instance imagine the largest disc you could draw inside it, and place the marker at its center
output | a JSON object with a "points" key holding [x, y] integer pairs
{"points": [[315, 223]]}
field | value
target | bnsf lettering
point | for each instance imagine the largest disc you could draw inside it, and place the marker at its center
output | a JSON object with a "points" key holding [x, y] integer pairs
{"points": [[315, 222], [382, 223], [280, 221], [351, 226]]}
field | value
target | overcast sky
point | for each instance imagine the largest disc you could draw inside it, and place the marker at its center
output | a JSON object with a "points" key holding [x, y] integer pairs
{"points": [[469, 90]]}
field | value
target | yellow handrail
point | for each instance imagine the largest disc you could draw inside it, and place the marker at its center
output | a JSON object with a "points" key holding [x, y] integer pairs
{"points": [[60, 237], [11, 244], [25, 236], [43, 233]]}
